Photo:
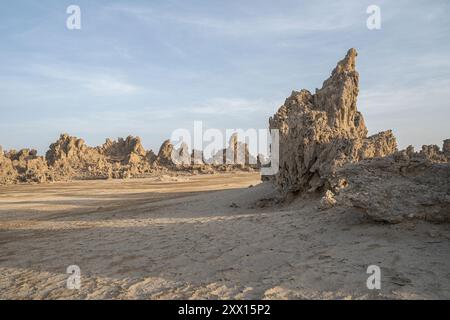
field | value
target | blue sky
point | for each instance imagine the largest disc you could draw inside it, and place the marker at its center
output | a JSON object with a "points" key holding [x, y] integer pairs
{"points": [[148, 67]]}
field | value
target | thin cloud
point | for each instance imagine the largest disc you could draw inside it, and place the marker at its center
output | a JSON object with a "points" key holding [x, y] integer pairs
{"points": [[383, 100], [98, 83], [334, 17], [232, 106]]}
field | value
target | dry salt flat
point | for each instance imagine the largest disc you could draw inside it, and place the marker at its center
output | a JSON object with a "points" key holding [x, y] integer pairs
{"points": [[206, 237]]}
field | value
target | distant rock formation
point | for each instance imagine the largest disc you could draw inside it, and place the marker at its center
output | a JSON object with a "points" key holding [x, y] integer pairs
{"points": [[127, 157], [125, 151], [237, 153], [321, 132], [29, 166], [181, 156], [70, 158], [7, 172], [164, 157], [446, 148], [23, 166], [197, 157], [262, 160]]}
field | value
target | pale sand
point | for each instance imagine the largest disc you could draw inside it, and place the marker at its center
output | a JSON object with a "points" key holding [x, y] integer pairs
{"points": [[176, 238]]}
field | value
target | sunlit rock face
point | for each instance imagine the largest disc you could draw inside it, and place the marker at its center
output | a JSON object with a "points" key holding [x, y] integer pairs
{"points": [[321, 132]]}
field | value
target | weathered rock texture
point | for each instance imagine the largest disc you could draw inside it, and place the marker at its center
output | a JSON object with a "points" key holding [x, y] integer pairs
{"points": [[164, 157], [446, 148], [324, 147], [126, 151], [321, 132], [7, 172], [70, 158], [29, 166], [127, 157], [23, 166], [402, 186]]}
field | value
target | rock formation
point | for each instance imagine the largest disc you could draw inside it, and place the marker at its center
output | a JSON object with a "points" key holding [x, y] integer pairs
{"points": [[262, 160], [405, 185], [7, 172], [321, 132], [164, 157], [23, 166], [125, 151], [446, 148], [127, 157], [181, 156], [197, 157], [70, 158], [237, 153], [324, 147], [29, 166]]}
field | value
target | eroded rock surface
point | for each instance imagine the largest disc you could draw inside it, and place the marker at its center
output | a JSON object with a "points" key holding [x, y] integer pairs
{"points": [[324, 147], [70, 158], [23, 166], [126, 151], [321, 132], [164, 157], [7, 172], [29, 166], [127, 157], [405, 185]]}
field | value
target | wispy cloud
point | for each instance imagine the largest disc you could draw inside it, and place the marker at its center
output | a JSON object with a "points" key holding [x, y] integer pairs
{"points": [[418, 114], [334, 17], [392, 100], [232, 106], [103, 83]]}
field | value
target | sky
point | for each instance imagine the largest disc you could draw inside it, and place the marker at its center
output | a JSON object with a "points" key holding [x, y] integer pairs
{"points": [[147, 68]]}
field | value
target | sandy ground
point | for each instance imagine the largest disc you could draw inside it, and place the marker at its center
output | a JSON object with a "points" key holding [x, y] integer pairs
{"points": [[203, 237]]}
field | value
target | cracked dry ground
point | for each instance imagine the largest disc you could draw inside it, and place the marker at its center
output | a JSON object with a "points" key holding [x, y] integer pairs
{"points": [[203, 237]]}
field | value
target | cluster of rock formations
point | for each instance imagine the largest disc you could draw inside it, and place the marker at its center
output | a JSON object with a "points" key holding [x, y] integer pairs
{"points": [[69, 158], [324, 148], [237, 153], [22, 166]]}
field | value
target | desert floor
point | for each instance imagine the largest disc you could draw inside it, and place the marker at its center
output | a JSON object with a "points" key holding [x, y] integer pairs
{"points": [[206, 237]]}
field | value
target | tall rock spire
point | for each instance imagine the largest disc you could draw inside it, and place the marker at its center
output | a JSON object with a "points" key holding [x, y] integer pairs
{"points": [[321, 132]]}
